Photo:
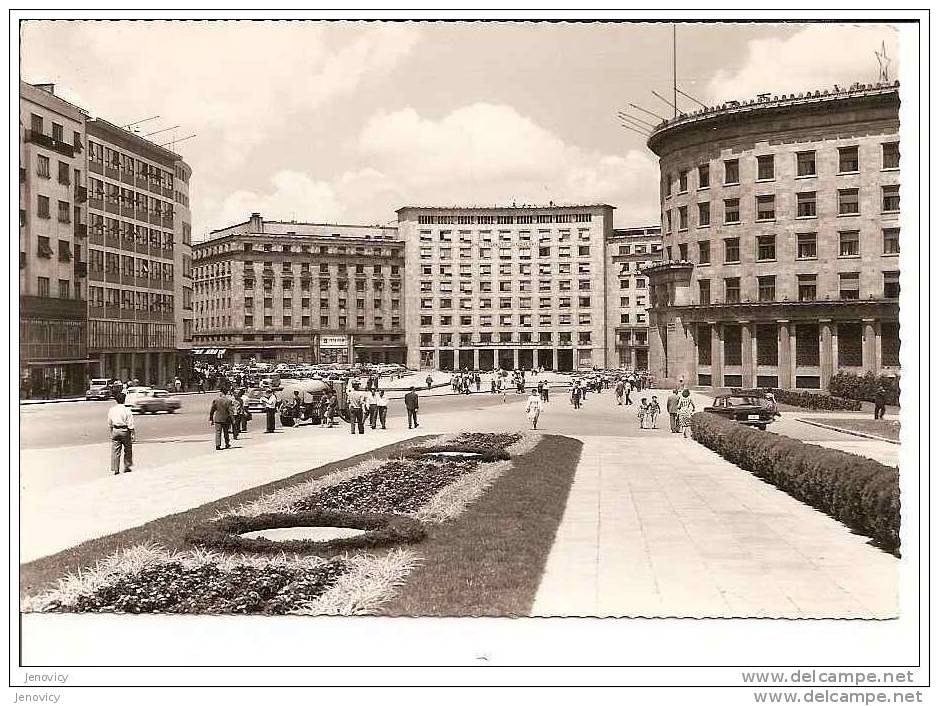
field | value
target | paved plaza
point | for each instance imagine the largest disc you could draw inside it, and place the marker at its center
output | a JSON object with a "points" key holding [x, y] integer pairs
{"points": [[655, 524]]}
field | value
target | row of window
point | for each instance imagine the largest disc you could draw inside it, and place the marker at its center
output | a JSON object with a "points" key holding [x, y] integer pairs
{"points": [[342, 285], [130, 335], [448, 340], [115, 159], [505, 236], [130, 300], [849, 204], [544, 286], [638, 249], [849, 287], [288, 303], [129, 198], [208, 250], [129, 266], [222, 269], [131, 234], [506, 219], [63, 288], [849, 245], [37, 125], [505, 253], [765, 167], [467, 287], [65, 171], [44, 209], [325, 321], [545, 319], [44, 249]]}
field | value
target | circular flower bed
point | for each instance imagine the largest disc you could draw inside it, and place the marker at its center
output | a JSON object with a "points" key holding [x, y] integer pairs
{"points": [[380, 530]]}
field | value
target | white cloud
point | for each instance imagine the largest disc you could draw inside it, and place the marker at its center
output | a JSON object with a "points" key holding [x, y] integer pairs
{"points": [[816, 57]]}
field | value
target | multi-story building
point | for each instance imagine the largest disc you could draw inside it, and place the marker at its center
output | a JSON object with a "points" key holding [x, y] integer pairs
{"points": [[135, 253], [508, 287], [782, 239], [53, 312], [291, 292], [628, 252], [182, 262]]}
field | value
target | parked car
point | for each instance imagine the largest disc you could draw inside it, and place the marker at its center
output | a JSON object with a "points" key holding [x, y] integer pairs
{"points": [[254, 399], [134, 395], [99, 389], [750, 410], [271, 380], [158, 401]]}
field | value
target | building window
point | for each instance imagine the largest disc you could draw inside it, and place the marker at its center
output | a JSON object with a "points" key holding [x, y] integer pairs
{"points": [[890, 343], [848, 202], [805, 164], [733, 347], [667, 185], [65, 212], [731, 250], [849, 243], [732, 290], [849, 285], [683, 218], [891, 197], [766, 208], [807, 288], [765, 168], [42, 166], [683, 252], [847, 160], [704, 176], [891, 155], [805, 204], [43, 286], [806, 246], [704, 252], [42, 206], [704, 291], [704, 214], [767, 345], [731, 171], [766, 288], [807, 348], [891, 241], [766, 247], [891, 285], [682, 181], [668, 221], [731, 210]]}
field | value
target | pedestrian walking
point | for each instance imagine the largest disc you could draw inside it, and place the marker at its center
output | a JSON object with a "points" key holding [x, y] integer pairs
{"points": [[643, 412], [479, 381], [671, 406], [626, 392], [411, 405], [654, 410], [237, 412], [220, 417], [332, 408], [270, 410], [372, 400], [382, 403], [357, 405], [123, 435], [619, 392], [492, 386], [685, 410], [880, 402], [575, 395], [533, 407]]}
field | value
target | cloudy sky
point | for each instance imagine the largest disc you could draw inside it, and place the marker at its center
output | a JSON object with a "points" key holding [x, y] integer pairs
{"points": [[345, 122]]}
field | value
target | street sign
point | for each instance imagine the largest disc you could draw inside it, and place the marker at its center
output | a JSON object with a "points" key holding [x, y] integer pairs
{"points": [[334, 341]]}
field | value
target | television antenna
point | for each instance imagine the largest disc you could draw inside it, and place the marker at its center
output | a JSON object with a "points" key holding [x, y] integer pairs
{"points": [[128, 126], [883, 62]]}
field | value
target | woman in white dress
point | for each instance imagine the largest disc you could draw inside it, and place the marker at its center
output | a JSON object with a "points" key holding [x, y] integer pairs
{"points": [[533, 407]]}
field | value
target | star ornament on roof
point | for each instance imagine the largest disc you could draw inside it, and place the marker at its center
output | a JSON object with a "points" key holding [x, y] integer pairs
{"points": [[884, 61]]}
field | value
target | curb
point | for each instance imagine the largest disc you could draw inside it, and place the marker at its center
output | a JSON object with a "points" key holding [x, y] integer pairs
{"points": [[852, 432]]}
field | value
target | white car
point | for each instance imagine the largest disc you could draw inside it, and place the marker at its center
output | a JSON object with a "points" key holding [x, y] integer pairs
{"points": [[134, 395]]}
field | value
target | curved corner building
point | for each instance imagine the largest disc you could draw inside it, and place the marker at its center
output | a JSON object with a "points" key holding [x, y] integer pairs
{"points": [[780, 226]]}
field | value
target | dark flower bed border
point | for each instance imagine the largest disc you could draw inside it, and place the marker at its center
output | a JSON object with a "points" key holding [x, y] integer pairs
{"points": [[806, 400], [858, 491], [381, 530]]}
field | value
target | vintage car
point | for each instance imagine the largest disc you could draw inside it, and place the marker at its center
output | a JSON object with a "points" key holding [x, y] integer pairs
{"points": [[133, 396], [746, 409], [99, 389], [158, 401]]}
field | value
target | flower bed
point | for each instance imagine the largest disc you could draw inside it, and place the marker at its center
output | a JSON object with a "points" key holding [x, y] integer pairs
{"points": [[858, 491], [806, 400], [382, 530], [864, 387]]}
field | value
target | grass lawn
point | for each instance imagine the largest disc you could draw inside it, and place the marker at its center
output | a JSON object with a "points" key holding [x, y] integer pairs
{"points": [[887, 428], [170, 531], [489, 560]]}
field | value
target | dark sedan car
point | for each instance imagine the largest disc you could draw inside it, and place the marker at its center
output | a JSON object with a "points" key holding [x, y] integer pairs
{"points": [[752, 411]]}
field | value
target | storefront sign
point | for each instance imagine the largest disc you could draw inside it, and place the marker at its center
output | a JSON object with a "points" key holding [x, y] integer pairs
{"points": [[334, 341]]}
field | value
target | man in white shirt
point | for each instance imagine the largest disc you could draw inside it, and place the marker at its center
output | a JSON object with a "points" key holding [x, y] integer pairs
{"points": [[123, 435], [382, 403], [357, 402]]}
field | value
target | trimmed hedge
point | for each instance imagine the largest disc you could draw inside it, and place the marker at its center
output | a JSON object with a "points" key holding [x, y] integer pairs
{"points": [[808, 400], [864, 387], [381, 530], [859, 492]]}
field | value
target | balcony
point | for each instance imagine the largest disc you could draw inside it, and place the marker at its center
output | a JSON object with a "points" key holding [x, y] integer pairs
{"points": [[112, 206], [112, 171], [96, 167], [50, 143], [81, 194]]}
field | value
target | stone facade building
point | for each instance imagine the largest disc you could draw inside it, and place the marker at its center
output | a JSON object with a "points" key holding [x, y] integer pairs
{"points": [[138, 254], [291, 292], [508, 287], [781, 235], [629, 251], [52, 274]]}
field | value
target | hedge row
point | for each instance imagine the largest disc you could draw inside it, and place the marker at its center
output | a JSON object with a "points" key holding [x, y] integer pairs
{"points": [[860, 492], [808, 400], [864, 387]]}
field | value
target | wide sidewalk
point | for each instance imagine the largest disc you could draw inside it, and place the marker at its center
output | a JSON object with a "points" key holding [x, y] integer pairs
{"points": [[659, 526]]}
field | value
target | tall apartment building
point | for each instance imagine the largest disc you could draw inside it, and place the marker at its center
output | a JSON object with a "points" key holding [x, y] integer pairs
{"points": [[291, 292], [53, 311], [628, 252], [506, 287], [136, 250], [782, 240]]}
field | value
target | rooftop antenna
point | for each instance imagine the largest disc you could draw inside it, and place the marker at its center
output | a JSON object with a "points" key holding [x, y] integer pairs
{"points": [[674, 68], [691, 98], [128, 126], [634, 119], [641, 132], [157, 132], [654, 115], [884, 62], [670, 105], [181, 139]]}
